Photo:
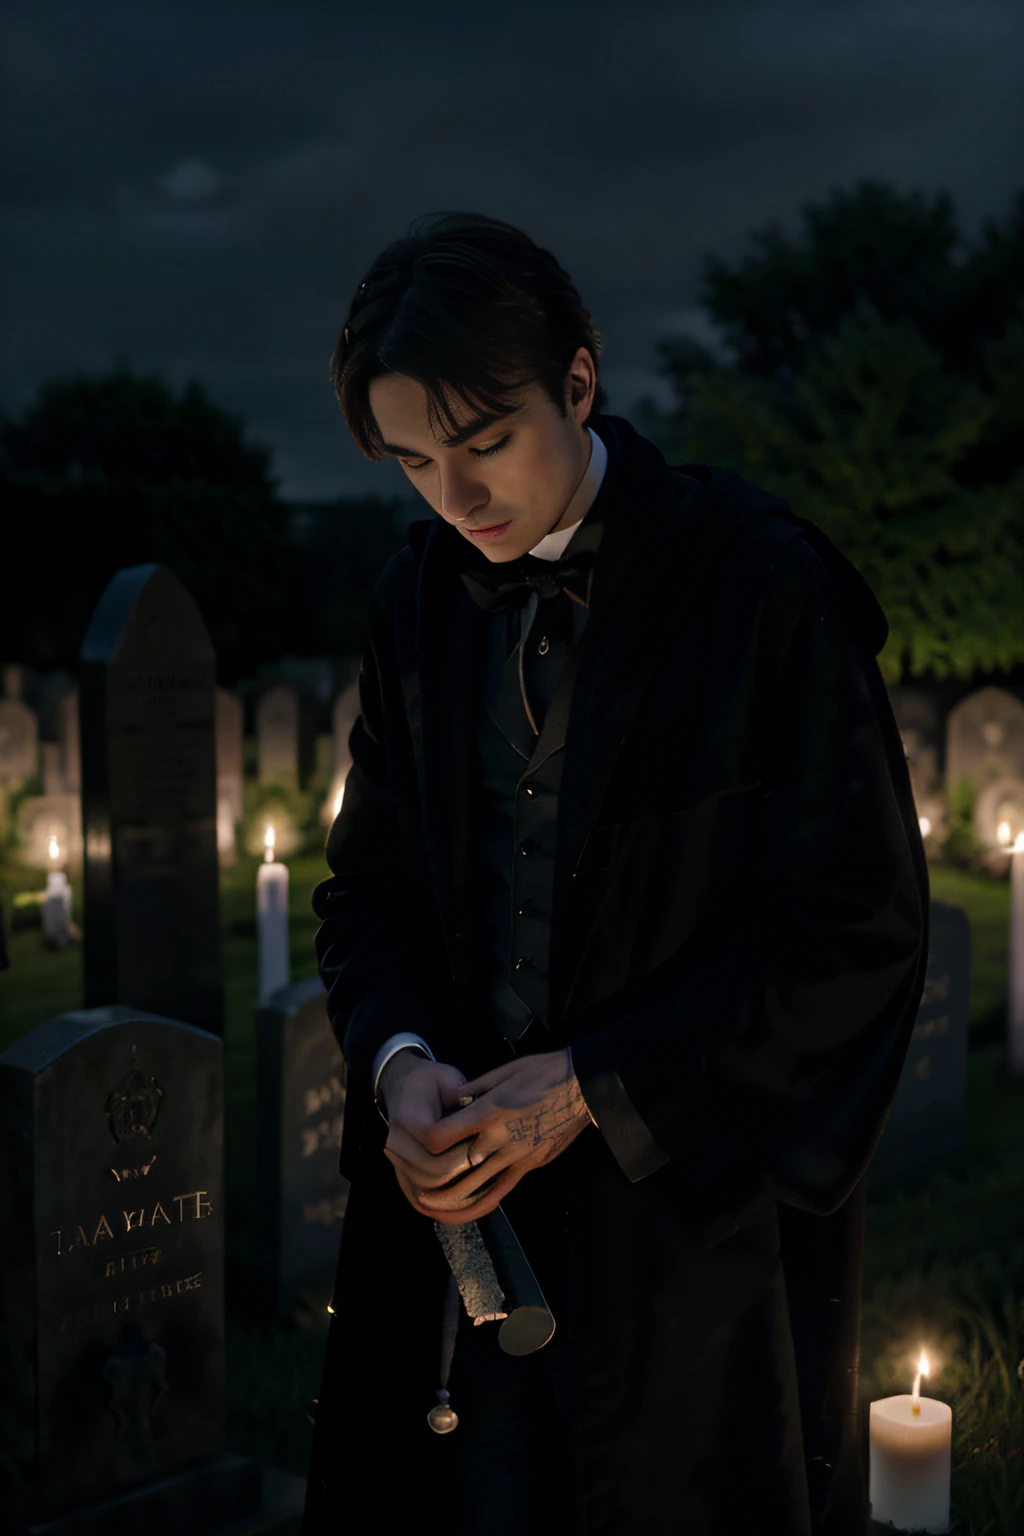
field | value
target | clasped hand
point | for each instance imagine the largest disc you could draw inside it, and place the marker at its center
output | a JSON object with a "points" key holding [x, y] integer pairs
{"points": [[457, 1163]]}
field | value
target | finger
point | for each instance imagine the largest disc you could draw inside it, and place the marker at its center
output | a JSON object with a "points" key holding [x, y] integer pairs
{"points": [[438, 1176], [478, 1086], [467, 1188], [424, 1165], [459, 1126], [486, 1202]]}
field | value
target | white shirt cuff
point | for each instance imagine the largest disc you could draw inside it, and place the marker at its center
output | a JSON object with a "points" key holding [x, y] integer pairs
{"points": [[391, 1047]]}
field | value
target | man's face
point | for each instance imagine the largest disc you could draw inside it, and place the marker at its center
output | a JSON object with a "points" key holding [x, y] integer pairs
{"points": [[517, 472]]}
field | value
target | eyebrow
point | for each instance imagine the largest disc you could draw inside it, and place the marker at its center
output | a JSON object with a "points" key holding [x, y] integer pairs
{"points": [[478, 424]]}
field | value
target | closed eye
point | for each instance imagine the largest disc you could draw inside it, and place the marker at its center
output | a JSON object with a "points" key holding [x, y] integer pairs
{"points": [[479, 453]]}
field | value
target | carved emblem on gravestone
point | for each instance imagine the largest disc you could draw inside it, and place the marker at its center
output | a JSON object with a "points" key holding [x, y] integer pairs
{"points": [[133, 1105]]}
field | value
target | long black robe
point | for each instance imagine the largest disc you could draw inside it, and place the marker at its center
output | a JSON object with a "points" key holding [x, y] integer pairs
{"points": [[739, 940]]}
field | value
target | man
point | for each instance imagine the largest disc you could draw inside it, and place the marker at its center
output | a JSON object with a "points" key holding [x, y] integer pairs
{"points": [[626, 931]]}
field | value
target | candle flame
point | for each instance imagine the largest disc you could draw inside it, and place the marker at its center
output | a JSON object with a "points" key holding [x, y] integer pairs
{"points": [[54, 848], [268, 845], [925, 825], [922, 1364], [1003, 833]]}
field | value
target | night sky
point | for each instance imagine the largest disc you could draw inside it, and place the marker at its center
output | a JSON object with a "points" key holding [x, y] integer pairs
{"points": [[198, 188]]}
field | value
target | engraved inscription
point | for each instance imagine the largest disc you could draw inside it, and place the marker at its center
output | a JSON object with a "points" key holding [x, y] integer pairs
{"points": [[194, 1206], [132, 1303], [325, 1135]]}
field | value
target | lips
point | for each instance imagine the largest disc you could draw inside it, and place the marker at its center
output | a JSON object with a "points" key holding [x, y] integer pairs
{"points": [[490, 528]]}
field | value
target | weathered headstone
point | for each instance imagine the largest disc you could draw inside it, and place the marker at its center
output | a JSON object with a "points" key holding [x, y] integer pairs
{"points": [[53, 778], [230, 800], [917, 716], [346, 709], [985, 741], [1000, 805], [925, 1128], [301, 1103], [112, 1276], [277, 735], [19, 733], [67, 734], [149, 800], [41, 817]]}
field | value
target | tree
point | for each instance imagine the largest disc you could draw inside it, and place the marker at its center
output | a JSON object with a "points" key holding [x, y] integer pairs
{"points": [[865, 444], [100, 473], [878, 384]]}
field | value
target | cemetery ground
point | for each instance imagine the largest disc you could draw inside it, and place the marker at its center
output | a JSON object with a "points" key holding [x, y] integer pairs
{"points": [[944, 1267]]}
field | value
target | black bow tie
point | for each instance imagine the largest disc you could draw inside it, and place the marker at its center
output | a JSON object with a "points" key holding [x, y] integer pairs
{"points": [[496, 587]]}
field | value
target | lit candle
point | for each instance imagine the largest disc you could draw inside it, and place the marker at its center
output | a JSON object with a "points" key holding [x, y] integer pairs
{"points": [[910, 1451], [272, 921], [1015, 1023], [924, 822], [56, 908]]}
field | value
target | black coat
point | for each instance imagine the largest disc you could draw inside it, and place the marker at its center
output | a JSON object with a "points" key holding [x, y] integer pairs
{"points": [[740, 930]]}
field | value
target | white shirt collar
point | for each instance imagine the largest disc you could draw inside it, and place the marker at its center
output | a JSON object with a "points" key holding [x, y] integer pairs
{"points": [[552, 545]]}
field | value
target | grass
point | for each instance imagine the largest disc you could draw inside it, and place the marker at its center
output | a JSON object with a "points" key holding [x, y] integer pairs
{"points": [[944, 1268]]}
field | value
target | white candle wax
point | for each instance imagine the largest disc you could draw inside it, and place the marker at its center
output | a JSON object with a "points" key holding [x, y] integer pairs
{"points": [[910, 1463], [272, 926], [1015, 1040], [56, 908]]}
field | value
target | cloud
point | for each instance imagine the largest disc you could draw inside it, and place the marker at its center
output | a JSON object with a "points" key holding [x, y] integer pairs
{"points": [[191, 181], [199, 189]]}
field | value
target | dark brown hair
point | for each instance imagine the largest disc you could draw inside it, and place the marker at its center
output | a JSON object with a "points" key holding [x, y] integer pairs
{"points": [[468, 307]]}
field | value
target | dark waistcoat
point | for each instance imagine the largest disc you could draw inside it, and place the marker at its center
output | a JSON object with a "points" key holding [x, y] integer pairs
{"points": [[515, 841]]}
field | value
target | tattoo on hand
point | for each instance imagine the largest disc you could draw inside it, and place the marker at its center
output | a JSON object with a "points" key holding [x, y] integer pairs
{"points": [[555, 1125]]}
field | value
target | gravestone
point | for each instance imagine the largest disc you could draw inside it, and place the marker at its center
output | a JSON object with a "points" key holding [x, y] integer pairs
{"points": [[925, 1128], [53, 778], [67, 735], [277, 735], [345, 712], [985, 742], [149, 802], [917, 717], [301, 1103], [41, 817], [1000, 805], [19, 734], [230, 801], [112, 1276]]}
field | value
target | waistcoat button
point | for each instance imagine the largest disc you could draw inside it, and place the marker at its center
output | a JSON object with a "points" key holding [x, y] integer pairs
{"points": [[530, 790], [544, 647], [523, 960]]}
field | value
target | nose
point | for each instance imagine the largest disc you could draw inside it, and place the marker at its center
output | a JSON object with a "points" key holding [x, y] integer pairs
{"points": [[460, 497]]}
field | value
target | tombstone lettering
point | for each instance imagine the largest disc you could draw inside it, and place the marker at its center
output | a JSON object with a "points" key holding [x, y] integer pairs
{"points": [[277, 735], [19, 733], [67, 735], [41, 817], [925, 1128], [301, 1103], [112, 1274], [149, 800], [985, 738]]}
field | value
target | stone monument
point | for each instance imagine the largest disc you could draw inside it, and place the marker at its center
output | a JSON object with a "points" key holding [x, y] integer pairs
{"points": [[19, 734], [67, 735], [149, 802], [277, 735], [925, 1128], [230, 796], [301, 1104], [112, 1278], [985, 745]]}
